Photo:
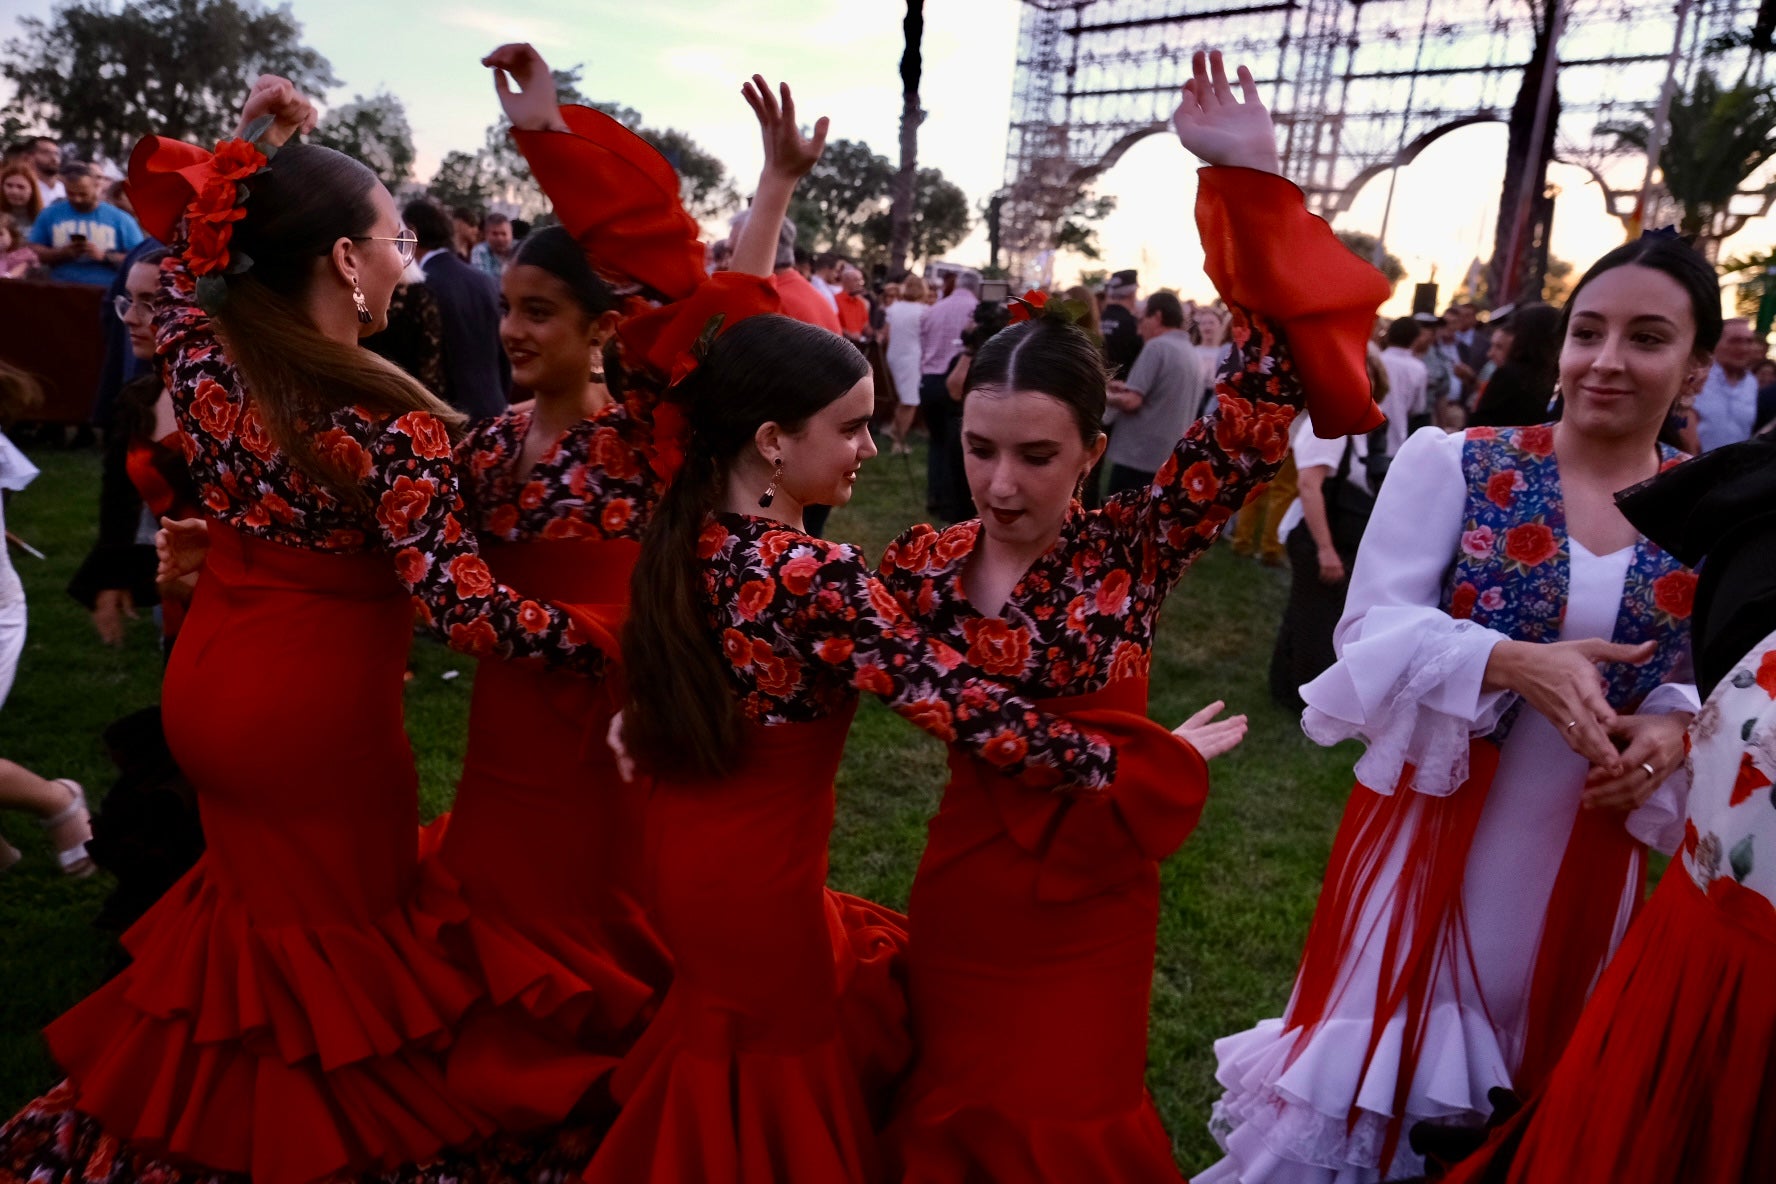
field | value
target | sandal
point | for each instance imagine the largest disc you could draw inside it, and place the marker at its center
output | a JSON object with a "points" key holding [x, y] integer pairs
{"points": [[73, 858]]}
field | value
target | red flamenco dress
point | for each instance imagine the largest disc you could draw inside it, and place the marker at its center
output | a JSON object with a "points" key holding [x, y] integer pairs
{"points": [[1034, 918], [537, 873], [784, 1029], [285, 1011]]}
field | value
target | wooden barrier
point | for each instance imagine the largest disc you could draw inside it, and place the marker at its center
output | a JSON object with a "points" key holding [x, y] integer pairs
{"points": [[51, 331]]}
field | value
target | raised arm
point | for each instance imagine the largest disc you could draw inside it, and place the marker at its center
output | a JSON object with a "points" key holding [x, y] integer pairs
{"points": [[1302, 304], [788, 157]]}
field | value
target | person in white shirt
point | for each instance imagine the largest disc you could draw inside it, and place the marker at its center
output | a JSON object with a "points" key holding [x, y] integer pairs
{"points": [[1727, 405], [827, 266], [46, 158], [1407, 379]]}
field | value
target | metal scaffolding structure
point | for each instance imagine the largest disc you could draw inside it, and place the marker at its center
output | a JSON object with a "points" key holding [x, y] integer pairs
{"points": [[1356, 86]]}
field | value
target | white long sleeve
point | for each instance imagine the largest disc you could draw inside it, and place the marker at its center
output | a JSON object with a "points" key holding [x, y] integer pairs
{"points": [[1408, 680]]}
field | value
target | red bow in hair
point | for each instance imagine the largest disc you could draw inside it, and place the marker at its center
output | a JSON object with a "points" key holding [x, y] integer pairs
{"points": [[170, 180]]}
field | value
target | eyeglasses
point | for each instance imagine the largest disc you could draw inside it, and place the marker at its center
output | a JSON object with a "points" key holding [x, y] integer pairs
{"points": [[406, 243], [124, 305]]}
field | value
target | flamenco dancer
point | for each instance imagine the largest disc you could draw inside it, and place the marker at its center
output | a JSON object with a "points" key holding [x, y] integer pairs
{"points": [[1034, 915], [747, 645], [144, 468], [543, 845], [1668, 1076], [283, 1015], [1493, 851]]}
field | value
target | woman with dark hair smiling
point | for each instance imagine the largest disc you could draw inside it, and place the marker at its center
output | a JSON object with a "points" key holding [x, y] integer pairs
{"points": [[1494, 848], [284, 1010], [544, 842], [1034, 916]]}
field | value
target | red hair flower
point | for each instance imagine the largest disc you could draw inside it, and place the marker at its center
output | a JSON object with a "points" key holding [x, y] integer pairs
{"points": [[1030, 304]]}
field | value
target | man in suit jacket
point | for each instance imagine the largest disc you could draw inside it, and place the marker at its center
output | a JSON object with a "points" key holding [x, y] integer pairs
{"points": [[476, 371]]}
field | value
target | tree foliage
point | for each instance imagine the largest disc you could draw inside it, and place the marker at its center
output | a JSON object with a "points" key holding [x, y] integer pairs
{"points": [[375, 131], [940, 219], [844, 190], [1076, 229], [1717, 138], [1363, 246], [101, 76]]}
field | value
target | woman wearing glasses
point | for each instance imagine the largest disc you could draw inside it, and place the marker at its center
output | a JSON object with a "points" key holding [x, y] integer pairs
{"points": [[144, 470], [284, 1014]]}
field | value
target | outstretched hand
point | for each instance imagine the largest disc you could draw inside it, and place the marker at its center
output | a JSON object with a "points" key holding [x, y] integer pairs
{"points": [[1212, 737], [534, 106], [788, 153], [1220, 127], [291, 113]]}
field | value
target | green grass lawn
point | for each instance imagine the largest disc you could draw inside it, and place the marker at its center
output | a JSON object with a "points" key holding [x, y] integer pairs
{"points": [[1237, 898]]}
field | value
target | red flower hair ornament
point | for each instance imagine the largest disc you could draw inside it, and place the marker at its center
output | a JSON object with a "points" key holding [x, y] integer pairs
{"points": [[1036, 304], [210, 191]]}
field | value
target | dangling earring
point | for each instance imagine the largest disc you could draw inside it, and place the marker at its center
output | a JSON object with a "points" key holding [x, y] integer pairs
{"points": [[364, 317], [770, 493]]}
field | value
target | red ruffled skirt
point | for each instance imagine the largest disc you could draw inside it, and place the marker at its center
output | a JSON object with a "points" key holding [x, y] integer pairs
{"points": [[283, 1014], [537, 872], [785, 1023], [1670, 1077], [1034, 919]]}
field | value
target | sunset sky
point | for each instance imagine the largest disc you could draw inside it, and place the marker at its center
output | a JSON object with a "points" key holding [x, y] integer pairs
{"points": [[681, 62]]}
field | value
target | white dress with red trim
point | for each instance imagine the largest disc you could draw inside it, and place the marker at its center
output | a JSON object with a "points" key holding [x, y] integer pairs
{"points": [[1421, 987]]}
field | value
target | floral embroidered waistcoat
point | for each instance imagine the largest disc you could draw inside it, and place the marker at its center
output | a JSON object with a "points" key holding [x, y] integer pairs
{"points": [[1513, 569]]}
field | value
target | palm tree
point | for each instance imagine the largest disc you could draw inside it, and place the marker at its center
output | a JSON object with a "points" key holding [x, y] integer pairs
{"points": [[1717, 139], [900, 213]]}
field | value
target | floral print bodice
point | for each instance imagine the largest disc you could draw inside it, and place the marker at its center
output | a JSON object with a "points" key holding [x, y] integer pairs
{"points": [[404, 466], [1730, 837], [1513, 570], [597, 481], [805, 626], [1084, 615]]}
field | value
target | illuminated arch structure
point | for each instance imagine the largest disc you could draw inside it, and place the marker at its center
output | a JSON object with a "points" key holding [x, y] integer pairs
{"points": [[1356, 87]]}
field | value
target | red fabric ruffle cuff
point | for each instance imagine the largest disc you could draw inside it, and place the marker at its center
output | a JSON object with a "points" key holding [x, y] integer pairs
{"points": [[1096, 842], [619, 198], [1266, 253]]}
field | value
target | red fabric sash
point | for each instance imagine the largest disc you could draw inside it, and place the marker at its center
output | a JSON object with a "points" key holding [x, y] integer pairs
{"points": [[1425, 923]]}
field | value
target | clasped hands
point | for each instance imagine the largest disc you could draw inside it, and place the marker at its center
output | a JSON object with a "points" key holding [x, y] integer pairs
{"points": [[1630, 755]]}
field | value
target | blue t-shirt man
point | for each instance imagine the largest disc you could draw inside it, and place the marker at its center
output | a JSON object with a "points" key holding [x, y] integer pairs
{"points": [[87, 239]]}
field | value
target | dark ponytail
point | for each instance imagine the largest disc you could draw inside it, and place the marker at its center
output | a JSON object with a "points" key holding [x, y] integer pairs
{"points": [[681, 716]]}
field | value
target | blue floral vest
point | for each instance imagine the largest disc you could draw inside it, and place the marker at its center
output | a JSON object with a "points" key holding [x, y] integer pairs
{"points": [[1512, 569]]}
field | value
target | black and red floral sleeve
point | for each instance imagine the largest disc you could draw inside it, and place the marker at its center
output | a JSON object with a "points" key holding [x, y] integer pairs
{"points": [[419, 518], [404, 468], [599, 480], [805, 625], [1222, 459], [1303, 306]]}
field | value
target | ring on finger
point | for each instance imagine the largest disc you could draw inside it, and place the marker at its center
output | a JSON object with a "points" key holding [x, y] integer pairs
{"points": [[1571, 726], [1650, 771]]}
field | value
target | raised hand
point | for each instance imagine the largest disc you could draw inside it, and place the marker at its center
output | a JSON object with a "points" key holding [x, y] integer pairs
{"points": [[534, 106], [1220, 127], [1210, 736], [788, 153], [291, 113]]}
